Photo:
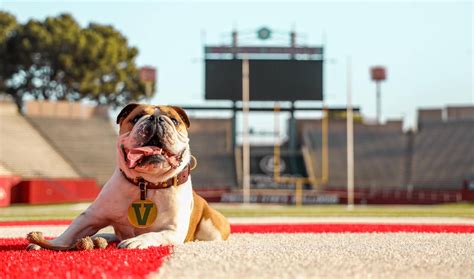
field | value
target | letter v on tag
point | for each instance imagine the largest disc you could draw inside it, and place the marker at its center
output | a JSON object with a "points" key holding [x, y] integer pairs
{"points": [[142, 213]]}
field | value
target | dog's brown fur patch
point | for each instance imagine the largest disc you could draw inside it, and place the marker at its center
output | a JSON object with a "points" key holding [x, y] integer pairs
{"points": [[202, 210]]}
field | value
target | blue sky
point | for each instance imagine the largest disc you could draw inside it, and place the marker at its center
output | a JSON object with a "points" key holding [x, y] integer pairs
{"points": [[426, 46]]}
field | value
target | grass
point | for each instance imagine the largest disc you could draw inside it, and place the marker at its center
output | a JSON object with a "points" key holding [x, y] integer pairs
{"points": [[42, 212], [69, 211], [443, 210]]}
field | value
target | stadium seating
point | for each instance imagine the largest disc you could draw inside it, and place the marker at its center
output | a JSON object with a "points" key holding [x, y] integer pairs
{"points": [[24, 152], [80, 142], [211, 144], [379, 152], [87, 144], [443, 155], [4, 171], [437, 156]]}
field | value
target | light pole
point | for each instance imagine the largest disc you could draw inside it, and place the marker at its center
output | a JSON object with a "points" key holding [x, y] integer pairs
{"points": [[378, 75], [147, 75], [245, 134], [350, 139]]}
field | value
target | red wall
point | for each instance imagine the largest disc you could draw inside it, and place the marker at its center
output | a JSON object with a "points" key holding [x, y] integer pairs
{"points": [[43, 191], [6, 183]]}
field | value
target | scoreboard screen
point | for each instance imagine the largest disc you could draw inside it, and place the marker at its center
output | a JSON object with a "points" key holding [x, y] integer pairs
{"points": [[270, 80]]}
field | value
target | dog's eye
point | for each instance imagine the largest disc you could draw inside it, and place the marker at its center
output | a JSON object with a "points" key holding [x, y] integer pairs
{"points": [[135, 120], [175, 122]]}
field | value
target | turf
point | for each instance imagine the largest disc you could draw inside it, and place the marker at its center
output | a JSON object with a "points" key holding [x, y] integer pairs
{"points": [[69, 211], [111, 262], [326, 255]]}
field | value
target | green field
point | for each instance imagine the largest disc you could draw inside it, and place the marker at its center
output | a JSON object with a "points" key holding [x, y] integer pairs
{"points": [[69, 211], [444, 210]]}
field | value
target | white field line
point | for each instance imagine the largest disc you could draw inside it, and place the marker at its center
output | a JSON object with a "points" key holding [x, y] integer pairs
{"points": [[370, 255]]}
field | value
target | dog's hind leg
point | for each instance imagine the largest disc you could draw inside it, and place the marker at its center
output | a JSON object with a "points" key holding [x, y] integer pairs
{"points": [[213, 225]]}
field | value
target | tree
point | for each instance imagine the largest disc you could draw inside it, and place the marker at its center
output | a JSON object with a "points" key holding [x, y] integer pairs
{"points": [[56, 59], [8, 26]]}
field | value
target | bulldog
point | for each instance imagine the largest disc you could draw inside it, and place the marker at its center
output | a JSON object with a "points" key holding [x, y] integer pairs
{"points": [[153, 164]]}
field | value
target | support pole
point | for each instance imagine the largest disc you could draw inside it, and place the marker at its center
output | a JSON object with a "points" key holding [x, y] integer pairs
{"points": [[293, 44], [292, 143], [299, 192], [245, 132], [234, 44], [234, 125], [379, 104], [350, 140], [324, 153], [276, 147]]}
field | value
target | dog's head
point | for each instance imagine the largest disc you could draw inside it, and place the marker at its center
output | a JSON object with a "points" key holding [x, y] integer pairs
{"points": [[153, 141]]}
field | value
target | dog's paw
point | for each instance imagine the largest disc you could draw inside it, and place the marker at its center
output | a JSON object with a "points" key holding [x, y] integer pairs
{"points": [[139, 242], [33, 247], [152, 239]]}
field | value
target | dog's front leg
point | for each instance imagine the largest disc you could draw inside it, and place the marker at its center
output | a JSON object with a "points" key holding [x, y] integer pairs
{"points": [[86, 224], [165, 237]]}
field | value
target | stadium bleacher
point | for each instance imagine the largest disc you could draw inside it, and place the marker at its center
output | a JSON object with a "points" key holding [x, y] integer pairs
{"points": [[439, 155], [443, 155], [4, 170], [83, 135], [87, 144], [24, 152], [211, 144], [378, 153], [74, 140]]}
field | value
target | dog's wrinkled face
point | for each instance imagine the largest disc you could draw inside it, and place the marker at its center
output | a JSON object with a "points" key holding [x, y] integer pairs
{"points": [[153, 141]]}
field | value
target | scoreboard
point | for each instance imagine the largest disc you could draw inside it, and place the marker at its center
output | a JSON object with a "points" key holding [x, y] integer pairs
{"points": [[270, 80]]}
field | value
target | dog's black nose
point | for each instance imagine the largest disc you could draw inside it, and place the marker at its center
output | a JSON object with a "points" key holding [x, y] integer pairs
{"points": [[151, 118], [161, 119]]}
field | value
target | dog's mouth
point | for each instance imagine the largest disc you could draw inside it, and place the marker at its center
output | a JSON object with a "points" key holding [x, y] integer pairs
{"points": [[152, 153]]}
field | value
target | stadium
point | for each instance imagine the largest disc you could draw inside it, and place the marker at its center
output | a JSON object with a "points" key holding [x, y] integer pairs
{"points": [[431, 165], [312, 185]]}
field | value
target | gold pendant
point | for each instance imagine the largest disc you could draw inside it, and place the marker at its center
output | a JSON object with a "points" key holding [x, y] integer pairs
{"points": [[142, 213]]}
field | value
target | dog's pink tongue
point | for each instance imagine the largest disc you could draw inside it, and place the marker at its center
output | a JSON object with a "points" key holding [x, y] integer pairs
{"points": [[134, 155]]}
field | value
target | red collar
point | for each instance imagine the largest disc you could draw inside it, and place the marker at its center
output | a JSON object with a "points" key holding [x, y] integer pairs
{"points": [[176, 180]]}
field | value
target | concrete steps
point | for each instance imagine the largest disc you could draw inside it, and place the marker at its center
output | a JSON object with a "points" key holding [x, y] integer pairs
{"points": [[23, 151]]}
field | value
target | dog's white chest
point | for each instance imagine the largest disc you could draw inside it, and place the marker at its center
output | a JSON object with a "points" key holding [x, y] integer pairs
{"points": [[174, 206]]}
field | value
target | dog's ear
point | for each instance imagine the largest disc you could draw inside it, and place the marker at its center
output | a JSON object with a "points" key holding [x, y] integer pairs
{"points": [[183, 115], [125, 112]]}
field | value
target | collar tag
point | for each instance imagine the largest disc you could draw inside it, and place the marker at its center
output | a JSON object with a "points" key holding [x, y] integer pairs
{"points": [[142, 213]]}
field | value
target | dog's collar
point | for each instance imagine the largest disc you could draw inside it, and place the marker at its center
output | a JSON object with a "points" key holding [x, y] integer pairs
{"points": [[176, 180]]}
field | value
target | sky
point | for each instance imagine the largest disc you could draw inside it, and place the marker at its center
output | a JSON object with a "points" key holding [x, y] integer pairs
{"points": [[425, 46]]}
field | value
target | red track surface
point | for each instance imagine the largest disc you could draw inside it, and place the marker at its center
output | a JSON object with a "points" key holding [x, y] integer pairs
{"points": [[34, 223], [16, 262], [309, 228], [352, 228]]}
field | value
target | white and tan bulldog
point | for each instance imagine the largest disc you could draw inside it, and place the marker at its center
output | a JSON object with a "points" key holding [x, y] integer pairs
{"points": [[152, 149]]}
